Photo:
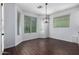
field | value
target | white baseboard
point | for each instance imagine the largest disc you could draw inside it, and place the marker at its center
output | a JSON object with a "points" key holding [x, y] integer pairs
{"points": [[9, 46], [64, 39]]}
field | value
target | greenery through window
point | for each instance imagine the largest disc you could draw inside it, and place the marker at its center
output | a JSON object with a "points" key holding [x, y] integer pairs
{"points": [[62, 21], [30, 24]]}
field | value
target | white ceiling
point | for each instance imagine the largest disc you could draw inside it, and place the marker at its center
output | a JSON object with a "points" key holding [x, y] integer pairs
{"points": [[52, 7]]}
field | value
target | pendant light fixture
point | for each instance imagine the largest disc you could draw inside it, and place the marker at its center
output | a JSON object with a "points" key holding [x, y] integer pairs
{"points": [[46, 16]]}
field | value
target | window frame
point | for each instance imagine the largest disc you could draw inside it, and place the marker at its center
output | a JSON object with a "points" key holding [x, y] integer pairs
{"points": [[30, 24]]}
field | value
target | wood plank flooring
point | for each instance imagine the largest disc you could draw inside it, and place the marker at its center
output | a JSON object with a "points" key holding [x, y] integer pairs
{"points": [[43, 46]]}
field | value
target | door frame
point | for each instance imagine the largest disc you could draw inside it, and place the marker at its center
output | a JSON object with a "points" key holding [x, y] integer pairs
{"points": [[0, 29]]}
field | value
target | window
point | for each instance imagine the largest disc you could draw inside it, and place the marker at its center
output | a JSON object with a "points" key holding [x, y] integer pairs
{"points": [[33, 25], [30, 24], [62, 21], [27, 24], [18, 23]]}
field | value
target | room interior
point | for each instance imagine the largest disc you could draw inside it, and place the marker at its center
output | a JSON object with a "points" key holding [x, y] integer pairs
{"points": [[41, 29]]}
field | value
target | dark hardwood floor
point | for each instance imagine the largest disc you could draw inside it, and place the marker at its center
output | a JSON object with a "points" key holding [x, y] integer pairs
{"points": [[47, 46]]}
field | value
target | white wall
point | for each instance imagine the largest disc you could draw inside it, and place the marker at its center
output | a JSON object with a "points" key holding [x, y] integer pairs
{"points": [[67, 34], [18, 38], [9, 25], [42, 27]]}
